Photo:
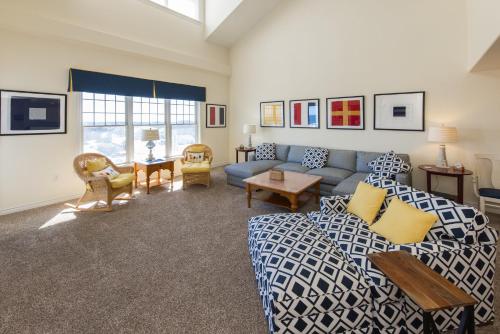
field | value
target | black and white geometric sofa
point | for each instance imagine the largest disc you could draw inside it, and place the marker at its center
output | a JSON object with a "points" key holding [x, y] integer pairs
{"points": [[314, 276]]}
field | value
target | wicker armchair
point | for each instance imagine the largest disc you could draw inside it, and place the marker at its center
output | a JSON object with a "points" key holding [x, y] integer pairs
{"points": [[196, 172], [100, 188]]}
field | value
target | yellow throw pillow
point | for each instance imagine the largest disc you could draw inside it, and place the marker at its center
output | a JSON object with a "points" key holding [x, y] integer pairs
{"points": [[96, 165], [403, 223], [366, 202]]}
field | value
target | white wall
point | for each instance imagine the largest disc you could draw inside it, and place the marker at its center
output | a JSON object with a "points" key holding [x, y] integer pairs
{"points": [[36, 170], [324, 48]]}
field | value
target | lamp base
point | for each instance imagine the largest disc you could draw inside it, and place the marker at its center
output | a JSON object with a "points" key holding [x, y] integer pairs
{"points": [[150, 144], [249, 141], [441, 161]]}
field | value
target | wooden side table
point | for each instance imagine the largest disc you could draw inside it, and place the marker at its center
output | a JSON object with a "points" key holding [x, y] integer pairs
{"points": [[246, 150], [429, 290], [149, 167], [451, 172]]}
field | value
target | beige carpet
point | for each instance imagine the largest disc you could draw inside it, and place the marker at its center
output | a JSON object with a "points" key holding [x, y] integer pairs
{"points": [[169, 262]]}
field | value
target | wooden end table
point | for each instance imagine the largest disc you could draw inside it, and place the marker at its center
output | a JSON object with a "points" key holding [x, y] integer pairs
{"points": [[246, 150], [429, 290], [451, 172], [149, 167], [291, 188]]}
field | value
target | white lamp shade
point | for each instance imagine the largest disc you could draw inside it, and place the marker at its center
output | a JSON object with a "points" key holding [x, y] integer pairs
{"points": [[150, 134], [442, 134], [249, 128]]}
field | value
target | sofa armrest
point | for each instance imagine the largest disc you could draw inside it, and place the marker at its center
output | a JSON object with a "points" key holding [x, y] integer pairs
{"points": [[330, 205], [404, 178]]}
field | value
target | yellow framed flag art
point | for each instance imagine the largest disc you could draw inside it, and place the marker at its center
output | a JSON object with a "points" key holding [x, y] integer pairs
{"points": [[272, 114]]}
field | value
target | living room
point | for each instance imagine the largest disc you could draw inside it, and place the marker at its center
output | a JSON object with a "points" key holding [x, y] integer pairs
{"points": [[169, 250]]}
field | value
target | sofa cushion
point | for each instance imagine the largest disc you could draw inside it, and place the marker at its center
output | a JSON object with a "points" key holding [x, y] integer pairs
{"points": [[345, 159], [266, 151], [293, 167], [363, 158], [296, 153], [330, 175], [282, 152], [251, 168], [315, 157], [388, 165], [348, 186]]}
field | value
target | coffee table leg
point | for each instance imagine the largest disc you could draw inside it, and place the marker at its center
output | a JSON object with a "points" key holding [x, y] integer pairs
{"points": [[294, 203], [317, 193], [249, 196]]}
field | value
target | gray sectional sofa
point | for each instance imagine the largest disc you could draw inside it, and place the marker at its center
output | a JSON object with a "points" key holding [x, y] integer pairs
{"points": [[344, 169]]}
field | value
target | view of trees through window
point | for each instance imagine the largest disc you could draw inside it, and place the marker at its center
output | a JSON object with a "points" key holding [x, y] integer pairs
{"points": [[112, 125]]}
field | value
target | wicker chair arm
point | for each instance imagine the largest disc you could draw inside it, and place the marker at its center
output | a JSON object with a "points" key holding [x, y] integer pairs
{"points": [[98, 181], [183, 160], [210, 159], [125, 169]]}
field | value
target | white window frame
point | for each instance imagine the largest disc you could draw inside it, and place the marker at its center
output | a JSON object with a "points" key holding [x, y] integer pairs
{"points": [[129, 126]]}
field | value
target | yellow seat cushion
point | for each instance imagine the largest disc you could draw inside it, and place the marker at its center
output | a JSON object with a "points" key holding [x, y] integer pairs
{"points": [[366, 202], [96, 165], [122, 180], [403, 223], [196, 167]]}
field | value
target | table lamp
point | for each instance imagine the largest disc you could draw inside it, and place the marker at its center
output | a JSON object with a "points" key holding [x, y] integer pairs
{"points": [[150, 135], [442, 134], [249, 129]]}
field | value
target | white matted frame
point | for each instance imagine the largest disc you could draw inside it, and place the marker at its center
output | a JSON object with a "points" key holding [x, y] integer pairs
{"points": [[272, 114], [216, 115], [304, 113], [399, 111], [32, 113]]}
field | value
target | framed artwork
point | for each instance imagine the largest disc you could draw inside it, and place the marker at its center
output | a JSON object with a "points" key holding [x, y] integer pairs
{"points": [[272, 114], [30, 113], [216, 116], [345, 113], [304, 114], [399, 111]]}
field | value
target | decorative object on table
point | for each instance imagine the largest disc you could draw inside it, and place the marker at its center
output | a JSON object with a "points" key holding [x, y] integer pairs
{"points": [[315, 157], [304, 113], [245, 150], [249, 129], [399, 111], [30, 113], [346, 113], [451, 172], [272, 114], [150, 135], [442, 134], [277, 174], [196, 172], [487, 180], [266, 151], [215, 116], [241, 146], [388, 165], [102, 188], [458, 166], [429, 290], [149, 167]]}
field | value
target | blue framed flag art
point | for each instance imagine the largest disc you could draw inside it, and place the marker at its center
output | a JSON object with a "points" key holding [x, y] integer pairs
{"points": [[304, 113]]}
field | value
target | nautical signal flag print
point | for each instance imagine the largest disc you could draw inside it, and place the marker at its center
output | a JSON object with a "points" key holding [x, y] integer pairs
{"points": [[216, 116], [345, 113], [304, 113]]}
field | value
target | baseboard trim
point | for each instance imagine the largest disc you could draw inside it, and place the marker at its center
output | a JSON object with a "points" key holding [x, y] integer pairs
{"points": [[39, 204]]}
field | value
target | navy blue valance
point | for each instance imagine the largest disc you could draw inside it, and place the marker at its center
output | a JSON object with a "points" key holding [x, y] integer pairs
{"points": [[104, 83], [168, 90]]}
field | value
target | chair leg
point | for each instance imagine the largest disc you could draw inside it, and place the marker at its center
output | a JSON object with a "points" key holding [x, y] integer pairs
{"points": [[482, 204]]}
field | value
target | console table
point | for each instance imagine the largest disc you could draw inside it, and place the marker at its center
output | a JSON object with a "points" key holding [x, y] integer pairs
{"points": [[429, 290], [246, 150], [451, 172], [149, 167]]}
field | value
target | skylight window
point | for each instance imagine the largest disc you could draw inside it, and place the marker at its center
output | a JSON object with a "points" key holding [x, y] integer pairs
{"points": [[189, 8]]}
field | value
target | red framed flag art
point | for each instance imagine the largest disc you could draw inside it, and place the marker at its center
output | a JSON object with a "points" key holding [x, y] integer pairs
{"points": [[216, 116], [345, 113], [304, 113]]}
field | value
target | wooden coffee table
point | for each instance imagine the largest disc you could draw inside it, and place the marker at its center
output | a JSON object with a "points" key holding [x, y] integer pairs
{"points": [[429, 290], [286, 193]]}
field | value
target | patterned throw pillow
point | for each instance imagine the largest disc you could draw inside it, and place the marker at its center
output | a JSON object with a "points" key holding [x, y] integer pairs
{"points": [[265, 151], [388, 165], [109, 171], [195, 156], [315, 157]]}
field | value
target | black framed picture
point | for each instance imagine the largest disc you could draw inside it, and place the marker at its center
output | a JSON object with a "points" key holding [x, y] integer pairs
{"points": [[215, 116], [304, 113], [345, 113], [32, 113], [272, 114], [399, 111]]}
